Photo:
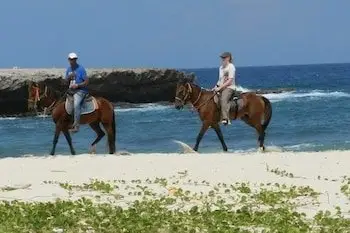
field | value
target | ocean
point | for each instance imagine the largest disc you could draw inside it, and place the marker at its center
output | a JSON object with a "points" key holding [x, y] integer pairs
{"points": [[315, 117]]}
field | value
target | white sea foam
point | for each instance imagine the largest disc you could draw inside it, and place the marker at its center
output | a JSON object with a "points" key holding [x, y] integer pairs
{"points": [[242, 89], [8, 118], [144, 108], [312, 95], [301, 146]]}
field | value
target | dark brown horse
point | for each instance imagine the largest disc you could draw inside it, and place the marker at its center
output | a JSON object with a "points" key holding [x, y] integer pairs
{"points": [[47, 98], [255, 110]]}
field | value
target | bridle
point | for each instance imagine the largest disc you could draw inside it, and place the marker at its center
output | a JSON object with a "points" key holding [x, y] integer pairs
{"points": [[188, 94], [184, 100], [38, 97]]}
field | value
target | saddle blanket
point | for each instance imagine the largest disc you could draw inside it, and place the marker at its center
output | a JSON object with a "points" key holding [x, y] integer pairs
{"points": [[88, 105], [233, 102]]}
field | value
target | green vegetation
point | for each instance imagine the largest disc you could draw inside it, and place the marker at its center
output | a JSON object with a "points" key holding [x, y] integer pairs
{"points": [[94, 185], [10, 188], [345, 188], [279, 172], [162, 205]]}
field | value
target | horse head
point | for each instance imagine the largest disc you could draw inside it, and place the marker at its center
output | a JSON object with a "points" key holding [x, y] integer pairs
{"points": [[40, 96], [183, 94]]}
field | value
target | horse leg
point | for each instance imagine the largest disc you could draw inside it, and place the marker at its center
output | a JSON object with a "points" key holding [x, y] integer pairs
{"points": [[111, 144], [69, 140], [55, 139], [204, 129], [261, 137], [259, 129], [100, 134], [217, 129]]}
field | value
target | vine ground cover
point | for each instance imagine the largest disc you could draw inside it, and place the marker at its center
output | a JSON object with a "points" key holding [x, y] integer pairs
{"points": [[167, 205]]}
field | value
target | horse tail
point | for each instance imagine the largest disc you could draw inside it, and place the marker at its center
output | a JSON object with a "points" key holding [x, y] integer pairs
{"points": [[267, 112], [113, 126]]}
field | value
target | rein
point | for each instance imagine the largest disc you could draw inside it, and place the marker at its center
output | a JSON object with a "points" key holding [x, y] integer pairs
{"points": [[183, 101], [205, 102], [38, 97], [50, 107]]}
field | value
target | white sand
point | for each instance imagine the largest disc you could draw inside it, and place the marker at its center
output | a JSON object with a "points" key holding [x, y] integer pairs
{"points": [[215, 168]]}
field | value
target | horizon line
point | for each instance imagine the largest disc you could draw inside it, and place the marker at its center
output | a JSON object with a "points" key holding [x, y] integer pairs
{"points": [[194, 68], [283, 65]]}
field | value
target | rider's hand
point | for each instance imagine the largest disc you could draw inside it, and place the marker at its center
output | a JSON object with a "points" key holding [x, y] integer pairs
{"points": [[71, 75], [216, 89], [74, 86]]}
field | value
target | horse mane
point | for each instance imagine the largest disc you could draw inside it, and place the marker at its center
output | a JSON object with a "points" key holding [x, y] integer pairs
{"points": [[53, 93], [185, 81], [56, 94]]}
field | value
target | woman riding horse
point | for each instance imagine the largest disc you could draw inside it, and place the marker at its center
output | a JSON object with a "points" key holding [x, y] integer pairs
{"points": [[226, 85], [254, 110]]}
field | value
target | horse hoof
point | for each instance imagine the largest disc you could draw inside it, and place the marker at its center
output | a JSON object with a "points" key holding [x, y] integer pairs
{"points": [[93, 150], [261, 149]]}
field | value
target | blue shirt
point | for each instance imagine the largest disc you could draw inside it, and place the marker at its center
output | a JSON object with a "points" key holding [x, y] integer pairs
{"points": [[80, 75]]}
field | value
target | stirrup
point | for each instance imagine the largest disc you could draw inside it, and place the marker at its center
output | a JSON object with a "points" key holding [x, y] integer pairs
{"points": [[226, 122], [74, 129]]}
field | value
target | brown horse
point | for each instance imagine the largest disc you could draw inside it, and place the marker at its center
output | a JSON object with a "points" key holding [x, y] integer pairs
{"points": [[254, 110], [103, 112]]}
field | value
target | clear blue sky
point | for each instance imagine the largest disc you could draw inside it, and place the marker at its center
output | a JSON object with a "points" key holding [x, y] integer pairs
{"points": [[176, 34]]}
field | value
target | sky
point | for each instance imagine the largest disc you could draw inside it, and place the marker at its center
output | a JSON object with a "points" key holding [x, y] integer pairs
{"points": [[173, 34]]}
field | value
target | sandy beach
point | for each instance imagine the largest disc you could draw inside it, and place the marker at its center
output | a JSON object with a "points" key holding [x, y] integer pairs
{"points": [[37, 178]]}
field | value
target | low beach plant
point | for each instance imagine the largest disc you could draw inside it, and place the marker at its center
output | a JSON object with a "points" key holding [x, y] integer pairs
{"points": [[161, 205], [345, 188]]}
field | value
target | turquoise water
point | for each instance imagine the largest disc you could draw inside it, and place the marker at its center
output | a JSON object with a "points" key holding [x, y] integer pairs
{"points": [[315, 117]]}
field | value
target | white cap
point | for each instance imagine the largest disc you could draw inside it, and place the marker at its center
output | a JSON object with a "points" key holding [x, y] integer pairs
{"points": [[72, 56]]}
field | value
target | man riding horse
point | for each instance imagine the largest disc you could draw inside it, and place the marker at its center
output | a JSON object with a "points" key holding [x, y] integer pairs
{"points": [[78, 81], [92, 110]]}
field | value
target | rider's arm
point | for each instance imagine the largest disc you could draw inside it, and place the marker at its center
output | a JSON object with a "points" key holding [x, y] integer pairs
{"points": [[84, 77]]}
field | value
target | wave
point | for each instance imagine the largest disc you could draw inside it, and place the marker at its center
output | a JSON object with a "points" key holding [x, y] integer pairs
{"points": [[312, 95], [301, 146], [144, 108], [8, 118], [273, 97], [242, 89]]}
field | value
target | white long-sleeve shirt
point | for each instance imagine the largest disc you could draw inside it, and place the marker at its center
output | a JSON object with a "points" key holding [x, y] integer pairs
{"points": [[227, 72]]}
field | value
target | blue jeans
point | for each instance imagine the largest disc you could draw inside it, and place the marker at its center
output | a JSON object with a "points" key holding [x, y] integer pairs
{"points": [[78, 98]]}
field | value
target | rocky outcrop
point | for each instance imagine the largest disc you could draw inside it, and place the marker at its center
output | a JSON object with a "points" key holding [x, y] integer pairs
{"points": [[117, 85]]}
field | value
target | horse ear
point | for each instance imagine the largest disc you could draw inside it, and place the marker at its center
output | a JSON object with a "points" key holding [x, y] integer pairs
{"points": [[185, 80], [181, 81]]}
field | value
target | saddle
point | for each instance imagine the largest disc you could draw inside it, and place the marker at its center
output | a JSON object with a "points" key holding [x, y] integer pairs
{"points": [[236, 102], [88, 105]]}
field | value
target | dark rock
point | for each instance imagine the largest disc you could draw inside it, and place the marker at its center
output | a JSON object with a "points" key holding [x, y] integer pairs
{"points": [[116, 85]]}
